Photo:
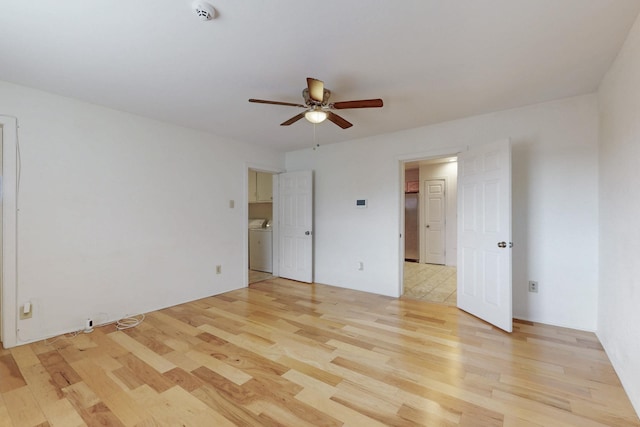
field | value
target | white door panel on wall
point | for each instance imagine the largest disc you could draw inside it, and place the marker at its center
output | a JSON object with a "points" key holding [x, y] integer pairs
{"points": [[435, 221], [296, 222], [484, 233]]}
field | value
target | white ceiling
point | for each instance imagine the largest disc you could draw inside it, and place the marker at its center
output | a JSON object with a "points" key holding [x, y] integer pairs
{"points": [[429, 60]]}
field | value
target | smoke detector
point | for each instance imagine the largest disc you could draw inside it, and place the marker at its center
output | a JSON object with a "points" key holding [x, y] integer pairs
{"points": [[205, 11]]}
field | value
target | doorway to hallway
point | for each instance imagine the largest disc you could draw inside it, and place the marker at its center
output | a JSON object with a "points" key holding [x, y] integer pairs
{"points": [[429, 271]]}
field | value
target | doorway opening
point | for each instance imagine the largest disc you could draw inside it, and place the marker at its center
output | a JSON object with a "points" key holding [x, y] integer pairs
{"points": [[430, 222], [260, 220]]}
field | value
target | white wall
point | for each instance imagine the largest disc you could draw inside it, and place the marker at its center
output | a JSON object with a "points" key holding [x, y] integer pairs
{"points": [[449, 172], [120, 214], [555, 204], [619, 311]]}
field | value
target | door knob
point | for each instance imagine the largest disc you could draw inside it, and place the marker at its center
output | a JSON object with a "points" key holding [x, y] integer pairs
{"points": [[428, 226], [306, 233], [502, 244]]}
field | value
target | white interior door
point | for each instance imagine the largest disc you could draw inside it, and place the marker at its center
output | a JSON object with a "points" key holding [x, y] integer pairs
{"points": [[434, 212], [484, 233], [296, 225]]}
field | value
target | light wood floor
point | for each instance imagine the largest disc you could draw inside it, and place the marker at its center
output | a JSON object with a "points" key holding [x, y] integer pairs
{"points": [[281, 353]]}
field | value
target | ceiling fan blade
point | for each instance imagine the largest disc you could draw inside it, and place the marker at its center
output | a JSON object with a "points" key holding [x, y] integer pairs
{"points": [[338, 120], [262, 101], [316, 89], [363, 103], [292, 119]]}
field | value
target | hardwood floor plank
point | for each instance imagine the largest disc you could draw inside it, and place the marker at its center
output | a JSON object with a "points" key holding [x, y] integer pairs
{"points": [[184, 379], [42, 386], [148, 338], [176, 407], [61, 413], [145, 373], [127, 410], [370, 404], [233, 374], [23, 408], [5, 418], [226, 406], [232, 391], [310, 370], [99, 415], [81, 396], [60, 371], [10, 376], [246, 340], [180, 360], [427, 418], [24, 356], [145, 354], [318, 395]]}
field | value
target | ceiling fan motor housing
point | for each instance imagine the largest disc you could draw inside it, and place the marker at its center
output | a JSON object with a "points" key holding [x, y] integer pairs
{"points": [[309, 101]]}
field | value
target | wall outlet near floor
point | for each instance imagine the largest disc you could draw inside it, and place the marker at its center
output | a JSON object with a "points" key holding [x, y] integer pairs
{"points": [[26, 311], [533, 286], [360, 265], [218, 269]]}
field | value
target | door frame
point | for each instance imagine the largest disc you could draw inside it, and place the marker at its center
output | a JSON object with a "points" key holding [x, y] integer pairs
{"points": [[9, 288], [275, 230], [426, 155]]}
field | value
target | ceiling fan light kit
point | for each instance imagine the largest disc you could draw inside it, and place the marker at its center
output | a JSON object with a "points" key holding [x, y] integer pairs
{"points": [[316, 116], [317, 105]]}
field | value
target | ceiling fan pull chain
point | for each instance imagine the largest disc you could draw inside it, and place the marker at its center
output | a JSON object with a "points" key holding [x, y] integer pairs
{"points": [[315, 138]]}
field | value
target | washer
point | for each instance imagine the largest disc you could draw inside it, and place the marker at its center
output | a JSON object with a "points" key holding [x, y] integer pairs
{"points": [[260, 246]]}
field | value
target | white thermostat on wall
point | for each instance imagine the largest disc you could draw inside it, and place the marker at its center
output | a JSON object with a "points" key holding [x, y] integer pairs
{"points": [[361, 203]]}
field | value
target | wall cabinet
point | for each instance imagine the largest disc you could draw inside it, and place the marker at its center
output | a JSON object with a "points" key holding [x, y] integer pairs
{"points": [[260, 187]]}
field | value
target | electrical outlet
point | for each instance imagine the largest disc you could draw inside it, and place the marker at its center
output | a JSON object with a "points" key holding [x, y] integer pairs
{"points": [[533, 286], [218, 269], [360, 265], [28, 314]]}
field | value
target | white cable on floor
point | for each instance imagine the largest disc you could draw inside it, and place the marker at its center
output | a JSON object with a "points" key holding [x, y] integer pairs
{"points": [[121, 325], [129, 322]]}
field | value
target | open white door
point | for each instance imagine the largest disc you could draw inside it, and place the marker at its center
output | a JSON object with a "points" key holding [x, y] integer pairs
{"points": [[295, 222], [484, 233]]}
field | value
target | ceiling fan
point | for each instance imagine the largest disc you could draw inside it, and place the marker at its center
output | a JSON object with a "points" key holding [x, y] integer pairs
{"points": [[317, 105]]}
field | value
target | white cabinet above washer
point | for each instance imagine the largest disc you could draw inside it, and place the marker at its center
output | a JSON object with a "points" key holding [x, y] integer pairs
{"points": [[260, 187]]}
